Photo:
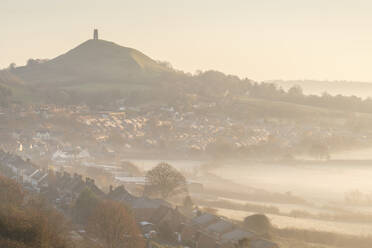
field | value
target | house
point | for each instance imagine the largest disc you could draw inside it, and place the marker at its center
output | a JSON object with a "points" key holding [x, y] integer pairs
{"points": [[148, 229], [43, 181], [91, 185], [172, 217], [38, 179], [262, 243], [220, 227], [120, 194], [230, 239], [204, 220], [71, 187], [27, 175], [43, 134], [143, 207], [18, 165], [23, 171], [194, 232], [206, 241], [210, 231], [62, 156]]}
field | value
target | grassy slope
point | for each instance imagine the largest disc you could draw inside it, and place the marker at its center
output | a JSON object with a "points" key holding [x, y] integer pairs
{"points": [[290, 243], [94, 61], [19, 91], [106, 87], [267, 105], [289, 110]]}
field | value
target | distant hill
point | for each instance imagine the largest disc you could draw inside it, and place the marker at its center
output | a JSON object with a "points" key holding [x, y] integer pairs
{"points": [[101, 73], [92, 62], [347, 88]]}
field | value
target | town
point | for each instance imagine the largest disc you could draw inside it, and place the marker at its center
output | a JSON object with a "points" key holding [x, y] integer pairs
{"points": [[64, 134], [160, 221]]}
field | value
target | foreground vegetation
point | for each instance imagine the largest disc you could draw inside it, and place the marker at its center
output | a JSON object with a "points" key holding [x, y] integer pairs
{"points": [[26, 221]]}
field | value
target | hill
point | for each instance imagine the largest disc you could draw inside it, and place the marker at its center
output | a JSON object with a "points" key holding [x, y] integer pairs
{"points": [[92, 62], [101, 73]]}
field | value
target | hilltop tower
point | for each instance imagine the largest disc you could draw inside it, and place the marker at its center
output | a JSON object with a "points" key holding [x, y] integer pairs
{"points": [[95, 34]]}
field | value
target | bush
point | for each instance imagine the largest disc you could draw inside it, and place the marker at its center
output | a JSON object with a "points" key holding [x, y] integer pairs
{"points": [[258, 223]]}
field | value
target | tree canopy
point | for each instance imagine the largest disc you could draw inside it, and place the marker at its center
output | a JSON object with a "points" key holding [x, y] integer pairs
{"points": [[165, 181], [113, 224]]}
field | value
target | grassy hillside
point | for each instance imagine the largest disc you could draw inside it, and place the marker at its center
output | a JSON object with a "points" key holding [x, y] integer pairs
{"points": [[263, 107], [94, 61], [99, 69], [20, 92]]}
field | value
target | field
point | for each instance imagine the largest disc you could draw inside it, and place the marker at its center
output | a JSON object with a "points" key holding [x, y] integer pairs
{"points": [[301, 223], [324, 186]]}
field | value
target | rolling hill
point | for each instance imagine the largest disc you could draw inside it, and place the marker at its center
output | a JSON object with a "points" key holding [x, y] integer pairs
{"points": [[99, 72], [92, 62]]}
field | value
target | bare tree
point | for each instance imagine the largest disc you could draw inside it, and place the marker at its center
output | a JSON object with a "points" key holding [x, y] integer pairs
{"points": [[165, 180], [115, 227]]}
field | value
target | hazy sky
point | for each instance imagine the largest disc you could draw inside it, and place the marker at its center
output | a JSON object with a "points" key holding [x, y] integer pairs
{"points": [[259, 39]]}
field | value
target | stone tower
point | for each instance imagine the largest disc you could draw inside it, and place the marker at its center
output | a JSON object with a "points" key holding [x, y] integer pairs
{"points": [[95, 34]]}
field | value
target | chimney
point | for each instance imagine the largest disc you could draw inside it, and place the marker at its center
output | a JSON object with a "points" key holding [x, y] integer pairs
{"points": [[89, 181], [95, 34], [67, 175]]}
